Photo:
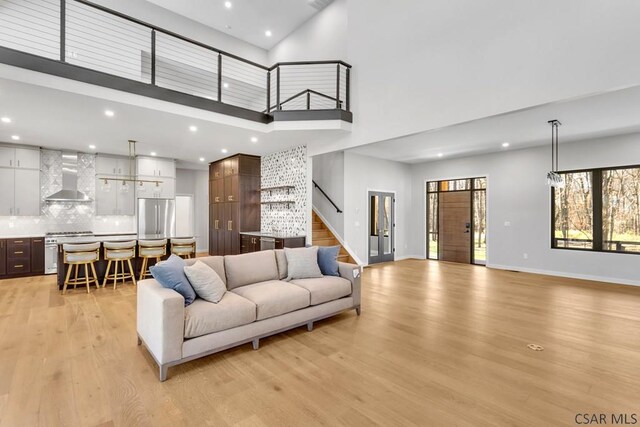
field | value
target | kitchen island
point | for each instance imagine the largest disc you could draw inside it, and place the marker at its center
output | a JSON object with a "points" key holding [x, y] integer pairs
{"points": [[101, 264]]}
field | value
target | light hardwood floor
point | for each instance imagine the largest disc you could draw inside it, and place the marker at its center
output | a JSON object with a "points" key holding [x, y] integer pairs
{"points": [[437, 344]]}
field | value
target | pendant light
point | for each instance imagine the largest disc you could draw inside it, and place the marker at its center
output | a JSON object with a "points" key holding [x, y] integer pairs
{"points": [[554, 179]]}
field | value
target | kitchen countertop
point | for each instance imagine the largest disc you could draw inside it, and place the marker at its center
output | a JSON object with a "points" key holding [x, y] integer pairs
{"points": [[272, 235], [115, 238], [23, 236]]}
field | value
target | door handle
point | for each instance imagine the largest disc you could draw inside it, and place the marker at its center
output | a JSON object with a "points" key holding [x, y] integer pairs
{"points": [[230, 198], [217, 199], [230, 225], [215, 225], [18, 163]]}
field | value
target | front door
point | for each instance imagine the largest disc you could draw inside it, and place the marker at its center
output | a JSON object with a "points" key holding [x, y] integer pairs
{"points": [[381, 227], [455, 226]]}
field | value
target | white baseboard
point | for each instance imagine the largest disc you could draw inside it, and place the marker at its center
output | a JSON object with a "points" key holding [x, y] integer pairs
{"points": [[568, 275], [403, 257]]}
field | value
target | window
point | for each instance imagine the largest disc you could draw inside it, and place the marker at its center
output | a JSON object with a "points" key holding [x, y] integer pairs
{"points": [[598, 210]]}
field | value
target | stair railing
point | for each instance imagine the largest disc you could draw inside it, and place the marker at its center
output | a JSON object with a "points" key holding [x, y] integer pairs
{"points": [[315, 184]]}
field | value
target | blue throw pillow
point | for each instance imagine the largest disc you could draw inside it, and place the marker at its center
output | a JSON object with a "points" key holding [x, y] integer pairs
{"points": [[170, 274], [328, 260]]}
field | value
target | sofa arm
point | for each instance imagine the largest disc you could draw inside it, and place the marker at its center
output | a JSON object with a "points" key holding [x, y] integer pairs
{"points": [[160, 320], [352, 273]]}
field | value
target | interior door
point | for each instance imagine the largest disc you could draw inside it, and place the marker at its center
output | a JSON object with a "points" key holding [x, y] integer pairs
{"points": [[381, 227], [455, 226]]}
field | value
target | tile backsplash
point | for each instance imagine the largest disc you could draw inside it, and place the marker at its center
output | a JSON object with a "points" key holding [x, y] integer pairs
{"points": [[288, 167], [64, 216]]}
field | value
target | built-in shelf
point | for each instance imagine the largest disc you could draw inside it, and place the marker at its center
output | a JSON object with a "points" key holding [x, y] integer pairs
{"points": [[278, 187], [278, 202]]}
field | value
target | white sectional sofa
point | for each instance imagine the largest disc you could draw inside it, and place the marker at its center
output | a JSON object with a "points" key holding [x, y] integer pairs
{"points": [[258, 303]]}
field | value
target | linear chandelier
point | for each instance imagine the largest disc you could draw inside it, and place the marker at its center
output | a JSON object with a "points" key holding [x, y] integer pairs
{"points": [[106, 185], [554, 179]]}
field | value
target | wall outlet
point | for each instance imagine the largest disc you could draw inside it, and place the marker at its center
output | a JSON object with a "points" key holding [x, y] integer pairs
{"points": [[525, 255], [356, 224], [507, 223]]}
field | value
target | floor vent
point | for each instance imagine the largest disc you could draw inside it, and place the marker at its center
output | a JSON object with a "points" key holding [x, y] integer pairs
{"points": [[535, 347]]}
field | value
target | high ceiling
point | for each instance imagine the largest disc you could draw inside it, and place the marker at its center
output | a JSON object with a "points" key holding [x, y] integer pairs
{"points": [[248, 20], [611, 113], [51, 118]]}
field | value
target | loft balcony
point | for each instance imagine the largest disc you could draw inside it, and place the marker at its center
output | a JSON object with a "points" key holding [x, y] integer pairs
{"points": [[79, 40]]}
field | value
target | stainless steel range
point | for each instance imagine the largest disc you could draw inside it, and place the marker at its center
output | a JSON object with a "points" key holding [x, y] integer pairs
{"points": [[51, 248]]}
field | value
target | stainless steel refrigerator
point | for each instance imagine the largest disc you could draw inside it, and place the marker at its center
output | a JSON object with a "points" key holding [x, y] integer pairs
{"points": [[157, 217]]}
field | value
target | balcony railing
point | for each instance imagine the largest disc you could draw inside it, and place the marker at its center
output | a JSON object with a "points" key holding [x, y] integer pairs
{"points": [[83, 34]]}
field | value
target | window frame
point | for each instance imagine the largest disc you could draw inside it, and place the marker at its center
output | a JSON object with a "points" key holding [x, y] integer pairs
{"points": [[596, 201]]}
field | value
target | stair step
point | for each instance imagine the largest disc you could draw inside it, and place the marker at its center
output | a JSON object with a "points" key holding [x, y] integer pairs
{"points": [[326, 241], [343, 258], [317, 234], [318, 226]]}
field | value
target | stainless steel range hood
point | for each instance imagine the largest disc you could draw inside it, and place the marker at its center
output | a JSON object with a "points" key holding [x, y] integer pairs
{"points": [[69, 192]]}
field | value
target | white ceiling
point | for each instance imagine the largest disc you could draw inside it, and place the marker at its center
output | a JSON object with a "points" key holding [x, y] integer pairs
{"points": [[248, 19], [57, 119], [611, 113]]}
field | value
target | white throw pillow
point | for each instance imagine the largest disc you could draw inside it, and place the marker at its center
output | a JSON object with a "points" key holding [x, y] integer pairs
{"points": [[205, 281], [302, 263]]}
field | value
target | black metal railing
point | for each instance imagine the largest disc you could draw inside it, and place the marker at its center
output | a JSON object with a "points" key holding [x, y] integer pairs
{"points": [[84, 34], [315, 184]]}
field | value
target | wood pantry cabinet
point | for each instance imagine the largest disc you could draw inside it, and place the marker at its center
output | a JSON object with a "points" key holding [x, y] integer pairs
{"points": [[21, 257], [234, 202]]}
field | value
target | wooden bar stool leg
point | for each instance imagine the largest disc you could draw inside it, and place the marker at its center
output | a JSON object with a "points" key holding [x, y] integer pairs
{"points": [[66, 280], [86, 277], [75, 277], [95, 276], [143, 268], [115, 275], [106, 274], [133, 275]]}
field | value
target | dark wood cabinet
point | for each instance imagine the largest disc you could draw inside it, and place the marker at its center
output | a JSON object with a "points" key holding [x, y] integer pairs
{"points": [[234, 202], [37, 255], [249, 244], [3, 257], [290, 242], [253, 243]]}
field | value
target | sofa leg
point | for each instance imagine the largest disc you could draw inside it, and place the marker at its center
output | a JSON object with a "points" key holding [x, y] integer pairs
{"points": [[256, 343], [358, 310], [310, 326], [163, 372]]}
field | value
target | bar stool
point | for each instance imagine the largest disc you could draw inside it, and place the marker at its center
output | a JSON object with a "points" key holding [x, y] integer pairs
{"points": [[76, 255], [148, 249], [183, 247], [118, 253]]}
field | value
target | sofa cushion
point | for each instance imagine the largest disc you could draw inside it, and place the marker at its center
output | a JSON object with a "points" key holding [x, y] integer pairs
{"points": [[215, 262], [328, 260], [205, 281], [281, 260], [302, 263], [203, 317], [170, 274], [250, 268], [274, 297], [325, 288]]}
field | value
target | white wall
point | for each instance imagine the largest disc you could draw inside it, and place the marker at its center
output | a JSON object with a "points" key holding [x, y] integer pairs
{"points": [[420, 65], [196, 183], [517, 192], [362, 174], [328, 172], [323, 37]]}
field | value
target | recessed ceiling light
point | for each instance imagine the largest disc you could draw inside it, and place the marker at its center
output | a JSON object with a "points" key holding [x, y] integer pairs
{"points": [[202, 159], [254, 139], [440, 154], [224, 151], [267, 33], [505, 144], [15, 137], [193, 128], [93, 147], [225, 85], [6, 120], [153, 153], [228, 4], [109, 113]]}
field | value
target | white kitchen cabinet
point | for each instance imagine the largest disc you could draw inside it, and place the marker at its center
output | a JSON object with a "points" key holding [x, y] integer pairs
{"points": [[152, 167], [167, 188], [26, 158], [7, 191], [115, 201], [27, 192], [23, 158], [7, 156], [113, 166]]}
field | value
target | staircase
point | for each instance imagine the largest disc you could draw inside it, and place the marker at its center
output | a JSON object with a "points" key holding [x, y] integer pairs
{"points": [[322, 236]]}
